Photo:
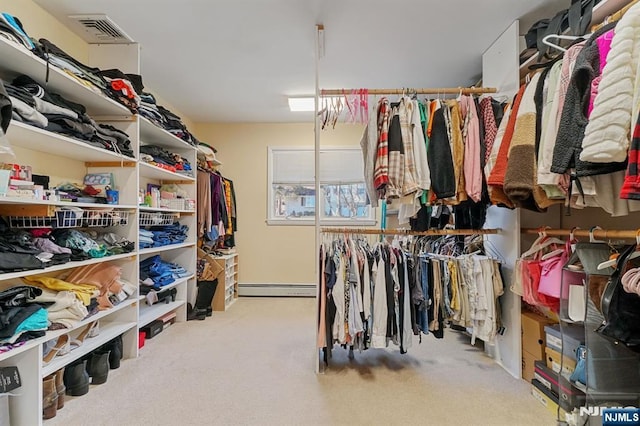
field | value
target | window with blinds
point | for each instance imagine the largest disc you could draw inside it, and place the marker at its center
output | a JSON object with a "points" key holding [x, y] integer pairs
{"points": [[292, 195]]}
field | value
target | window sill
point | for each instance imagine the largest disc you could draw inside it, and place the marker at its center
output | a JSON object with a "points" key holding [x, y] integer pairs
{"points": [[311, 222]]}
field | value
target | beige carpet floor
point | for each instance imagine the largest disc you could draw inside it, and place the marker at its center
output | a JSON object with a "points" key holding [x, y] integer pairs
{"points": [[253, 365]]}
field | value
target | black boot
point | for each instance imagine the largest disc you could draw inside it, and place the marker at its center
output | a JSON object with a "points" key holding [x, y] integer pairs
{"points": [[115, 352], [76, 378], [98, 366], [206, 291]]}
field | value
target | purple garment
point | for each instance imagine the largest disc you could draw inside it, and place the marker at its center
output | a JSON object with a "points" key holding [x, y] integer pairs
{"points": [[216, 198], [49, 246]]}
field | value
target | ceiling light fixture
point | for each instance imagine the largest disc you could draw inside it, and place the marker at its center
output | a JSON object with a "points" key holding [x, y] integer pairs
{"points": [[302, 104]]}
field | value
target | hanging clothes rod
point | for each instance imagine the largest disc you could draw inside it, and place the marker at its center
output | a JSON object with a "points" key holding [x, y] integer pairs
{"points": [[409, 232], [614, 17], [423, 91], [599, 234]]}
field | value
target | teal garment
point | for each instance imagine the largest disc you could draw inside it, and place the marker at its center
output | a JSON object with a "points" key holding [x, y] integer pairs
{"points": [[39, 320], [424, 119]]}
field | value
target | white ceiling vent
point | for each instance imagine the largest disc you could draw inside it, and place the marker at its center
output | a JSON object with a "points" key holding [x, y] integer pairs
{"points": [[98, 29]]}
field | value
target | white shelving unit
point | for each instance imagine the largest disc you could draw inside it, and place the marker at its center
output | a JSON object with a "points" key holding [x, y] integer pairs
{"points": [[65, 159], [227, 291]]}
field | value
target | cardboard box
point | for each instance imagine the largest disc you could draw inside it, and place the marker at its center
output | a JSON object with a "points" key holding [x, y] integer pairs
{"points": [[528, 365], [546, 398], [533, 335], [553, 361], [565, 341], [569, 396]]}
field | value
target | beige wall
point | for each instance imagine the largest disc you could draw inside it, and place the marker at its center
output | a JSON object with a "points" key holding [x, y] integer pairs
{"points": [[268, 254]]}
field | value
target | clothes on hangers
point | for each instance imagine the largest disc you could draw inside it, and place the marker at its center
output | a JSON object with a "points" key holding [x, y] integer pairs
{"points": [[217, 210], [375, 295]]}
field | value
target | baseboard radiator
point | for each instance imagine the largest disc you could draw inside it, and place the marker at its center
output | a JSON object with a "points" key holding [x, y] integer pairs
{"points": [[277, 290]]}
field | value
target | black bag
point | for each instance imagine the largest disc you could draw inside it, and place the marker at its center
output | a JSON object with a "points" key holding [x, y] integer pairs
{"points": [[621, 310], [576, 19]]}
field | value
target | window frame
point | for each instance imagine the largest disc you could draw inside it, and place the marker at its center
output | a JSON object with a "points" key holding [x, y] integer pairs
{"points": [[319, 198]]}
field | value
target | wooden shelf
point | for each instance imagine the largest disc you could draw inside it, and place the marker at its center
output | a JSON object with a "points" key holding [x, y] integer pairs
{"points": [[151, 134], [173, 284], [34, 138], [17, 60], [162, 210], [153, 250], [68, 265], [152, 172], [151, 313], [108, 331], [57, 333]]}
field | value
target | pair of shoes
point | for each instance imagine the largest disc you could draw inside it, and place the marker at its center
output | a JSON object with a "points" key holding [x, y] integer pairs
{"points": [[98, 366], [115, 349], [76, 378]]}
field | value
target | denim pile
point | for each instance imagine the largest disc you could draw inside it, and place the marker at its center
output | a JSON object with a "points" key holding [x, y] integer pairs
{"points": [[164, 118], [157, 155], [156, 273], [34, 105], [159, 236], [20, 319]]}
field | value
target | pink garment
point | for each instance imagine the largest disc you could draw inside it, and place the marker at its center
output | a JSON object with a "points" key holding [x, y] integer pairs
{"points": [[472, 163], [604, 46], [566, 71]]}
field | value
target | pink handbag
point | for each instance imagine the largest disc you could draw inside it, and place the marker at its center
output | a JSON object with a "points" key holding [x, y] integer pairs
{"points": [[551, 273]]}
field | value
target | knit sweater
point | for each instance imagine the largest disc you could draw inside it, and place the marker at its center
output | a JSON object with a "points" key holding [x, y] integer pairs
{"points": [[607, 134], [520, 176], [571, 132]]}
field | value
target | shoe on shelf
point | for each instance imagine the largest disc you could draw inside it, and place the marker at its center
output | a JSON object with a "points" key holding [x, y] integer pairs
{"points": [[115, 352], [91, 330], [98, 366], [61, 346], [49, 397], [76, 378], [60, 388]]}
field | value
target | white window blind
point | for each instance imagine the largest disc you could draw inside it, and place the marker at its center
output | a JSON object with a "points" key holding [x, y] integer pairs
{"points": [[336, 166]]}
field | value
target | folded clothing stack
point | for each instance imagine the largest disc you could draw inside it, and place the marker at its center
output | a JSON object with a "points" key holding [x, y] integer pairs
{"points": [[161, 157], [36, 106], [164, 118], [159, 236], [11, 29], [156, 273], [20, 318], [125, 86], [92, 244]]}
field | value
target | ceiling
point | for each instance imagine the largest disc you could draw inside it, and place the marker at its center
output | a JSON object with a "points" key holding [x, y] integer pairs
{"points": [[238, 60]]}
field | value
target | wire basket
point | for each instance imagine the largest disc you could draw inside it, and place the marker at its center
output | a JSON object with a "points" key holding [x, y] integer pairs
{"points": [[173, 204], [60, 219], [102, 218], [72, 219], [157, 218]]}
